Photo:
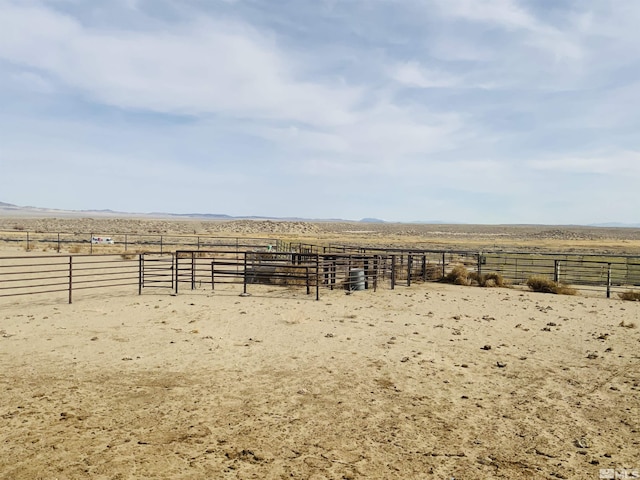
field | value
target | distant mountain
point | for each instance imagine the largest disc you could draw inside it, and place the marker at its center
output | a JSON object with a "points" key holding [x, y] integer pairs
{"points": [[436, 222], [371, 220], [215, 216], [616, 225], [2, 204]]}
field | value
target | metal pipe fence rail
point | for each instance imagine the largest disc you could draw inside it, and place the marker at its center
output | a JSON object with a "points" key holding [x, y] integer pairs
{"points": [[51, 274], [125, 242], [156, 271], [349, 272], [31, 275], [208, 267], [588, 272]]}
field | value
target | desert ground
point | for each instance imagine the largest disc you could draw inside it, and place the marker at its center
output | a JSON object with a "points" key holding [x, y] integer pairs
{"points": [[424, 236], [429, 381]]}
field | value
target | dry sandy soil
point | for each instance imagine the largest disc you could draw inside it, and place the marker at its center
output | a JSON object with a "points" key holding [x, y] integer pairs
{"points": [[431, 381]]}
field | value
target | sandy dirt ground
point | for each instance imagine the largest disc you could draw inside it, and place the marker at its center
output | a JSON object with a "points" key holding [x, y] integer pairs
{"points": [[431, 381]]}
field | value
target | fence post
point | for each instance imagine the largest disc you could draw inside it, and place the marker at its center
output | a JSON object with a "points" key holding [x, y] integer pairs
{"points": [[376, 266], [173, 265], [317, 276], [160, 244], [409, 267], [333, 272], [28, 246], [193, 271], [556, 271], [70, 277], [140, 274], [608, 280], [58, 242], [125, 242], [213, 262], [244, 281], [177, 270], [424, 268], [479, 264], [91, 243], [444, 268], [393, 272]]}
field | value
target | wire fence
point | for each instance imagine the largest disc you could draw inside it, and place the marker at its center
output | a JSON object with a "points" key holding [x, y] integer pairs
{"points": [[105, 242]]}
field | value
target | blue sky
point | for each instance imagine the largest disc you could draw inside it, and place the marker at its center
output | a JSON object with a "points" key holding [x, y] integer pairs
{"points": [[477, 111]]}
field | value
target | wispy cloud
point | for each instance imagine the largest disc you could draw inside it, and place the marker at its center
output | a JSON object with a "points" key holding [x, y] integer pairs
{"points": [[198, 68], [412, 74], [467, 110]]}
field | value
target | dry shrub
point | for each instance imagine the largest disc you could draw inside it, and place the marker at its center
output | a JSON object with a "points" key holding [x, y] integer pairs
{"points": [[128, 256], [458, 276], [488, 279], [461, 276], [75, 249], [627, 325], [544, 285], [630, 295]]}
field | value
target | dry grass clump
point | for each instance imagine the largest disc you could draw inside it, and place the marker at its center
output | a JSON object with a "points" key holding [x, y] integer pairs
{"points": [[488, 279], [461, 276], [544, 285], [458, 276], [630, 295]]}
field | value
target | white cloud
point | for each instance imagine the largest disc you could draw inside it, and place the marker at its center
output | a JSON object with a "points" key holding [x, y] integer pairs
{"points": [[446, 110], [197, 68], [560, 44], [413, 74], [613, 163]]}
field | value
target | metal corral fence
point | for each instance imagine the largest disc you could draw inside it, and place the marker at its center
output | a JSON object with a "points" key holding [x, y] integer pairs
{"points": [[588, 272], [57, 274], [197, 268], [349, 269], [95, 242]]}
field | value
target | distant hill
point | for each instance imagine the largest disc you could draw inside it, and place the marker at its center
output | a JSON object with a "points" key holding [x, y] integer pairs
{"points": [[616, 225], [2, 204], [371, 220]]}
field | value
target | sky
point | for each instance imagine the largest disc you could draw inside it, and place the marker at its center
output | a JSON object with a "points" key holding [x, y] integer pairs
{"points": [[473, 111]]}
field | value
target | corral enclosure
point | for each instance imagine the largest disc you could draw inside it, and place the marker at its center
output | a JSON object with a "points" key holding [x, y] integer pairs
{"points": [[303, 265]]}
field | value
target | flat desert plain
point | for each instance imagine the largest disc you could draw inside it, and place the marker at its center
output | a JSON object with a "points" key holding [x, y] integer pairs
{"points": [[428, 381]]}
